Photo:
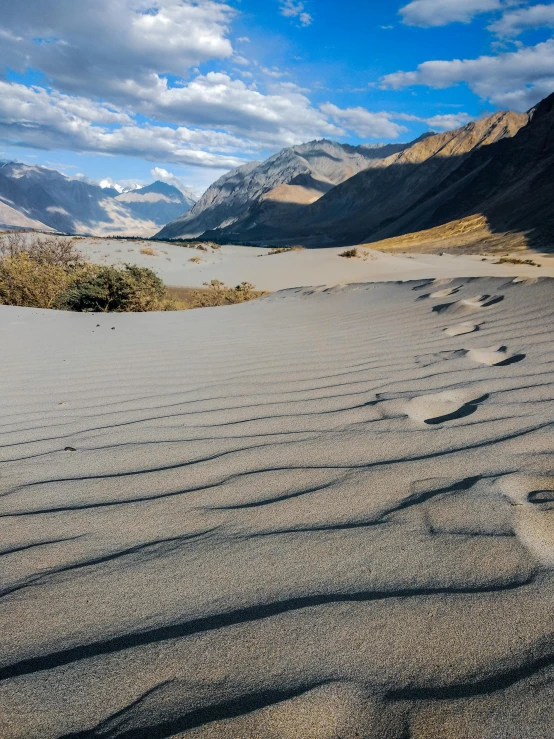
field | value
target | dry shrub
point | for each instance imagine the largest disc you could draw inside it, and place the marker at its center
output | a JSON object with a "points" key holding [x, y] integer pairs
{"points": [[349, 253], [148, 251], [26, 282], [54, 251], [512, 260], [218, 293], [195, 260], [283, 249], [50, 273]]}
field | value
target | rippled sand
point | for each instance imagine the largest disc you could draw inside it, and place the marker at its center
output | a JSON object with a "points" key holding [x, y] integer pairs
{"points": [[325, 514]]}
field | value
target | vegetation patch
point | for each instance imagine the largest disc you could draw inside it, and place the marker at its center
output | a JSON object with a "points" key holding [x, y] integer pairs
{"points": [[49, 272], [282, 250], [148, 251], [513, 260], [214, 293], [103, 289], [349, 253]]}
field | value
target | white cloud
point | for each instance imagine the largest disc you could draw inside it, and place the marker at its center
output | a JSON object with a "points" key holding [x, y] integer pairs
{"points": [[238, 59], [45, 119], [446, 122], [441, 12], [515, 22], [100, 48], [35, 117], [109, 183], [365, 123], [517, 79], [293, 9], [216, 100]]}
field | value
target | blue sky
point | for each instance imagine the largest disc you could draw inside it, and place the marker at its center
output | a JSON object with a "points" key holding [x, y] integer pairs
{"points": [[183, 90]]}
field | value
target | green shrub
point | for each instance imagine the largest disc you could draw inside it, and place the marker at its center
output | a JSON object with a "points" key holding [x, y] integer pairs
{"points": [[349, 253], [111, 289]]}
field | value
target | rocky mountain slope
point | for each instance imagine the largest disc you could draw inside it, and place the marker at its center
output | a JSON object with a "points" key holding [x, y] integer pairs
{"points": [[37, 197], [509, 185], [372, 201], [297, 175]]}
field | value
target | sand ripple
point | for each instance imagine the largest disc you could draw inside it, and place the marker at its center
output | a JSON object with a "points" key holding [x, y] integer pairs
{"points": [[326, 514]]}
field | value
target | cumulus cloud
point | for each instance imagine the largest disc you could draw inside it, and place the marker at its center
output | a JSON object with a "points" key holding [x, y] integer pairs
{"points": [[100, 48], [293, 9], [446, 122], [429, 13], [515, 22], [365, 123], [33, 116], [215, 100], [517, 79]]}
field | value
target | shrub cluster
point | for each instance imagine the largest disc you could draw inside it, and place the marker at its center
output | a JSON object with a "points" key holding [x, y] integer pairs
{"points": [[349, 253], [104, 289], [218, 293], [49, 272]]}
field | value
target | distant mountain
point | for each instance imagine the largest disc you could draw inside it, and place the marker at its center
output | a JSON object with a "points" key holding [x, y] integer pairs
{"points": [[297, 175], [158, 202], [368, 205], [37, 197], [359, 192]]}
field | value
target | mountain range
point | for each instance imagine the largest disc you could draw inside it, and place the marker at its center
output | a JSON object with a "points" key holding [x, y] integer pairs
{"points": [[489, 182], [494, 174], [44, 199], [298, 175]]}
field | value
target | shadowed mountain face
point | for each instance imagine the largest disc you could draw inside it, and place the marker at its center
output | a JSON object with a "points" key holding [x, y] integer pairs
{"points": [[348, 206], [370, 203], [509, 183], [298, 175], [36, 197]]}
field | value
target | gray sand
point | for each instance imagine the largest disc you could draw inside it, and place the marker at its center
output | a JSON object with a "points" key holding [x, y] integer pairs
{"points": [[235, 264], [312, 516]]}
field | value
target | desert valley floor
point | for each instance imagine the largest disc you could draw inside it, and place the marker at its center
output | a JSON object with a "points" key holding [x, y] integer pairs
{"points": [[325, 514]]}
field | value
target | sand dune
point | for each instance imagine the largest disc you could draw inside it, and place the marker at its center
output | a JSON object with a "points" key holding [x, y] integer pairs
{"points": [[312, 516], [234, 264]]}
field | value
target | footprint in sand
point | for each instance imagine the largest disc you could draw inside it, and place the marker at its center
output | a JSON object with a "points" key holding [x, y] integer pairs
{"points": [[469, 305], [449, 405], [446, 292], [532, 498], [494, 356], [461, 328], [525, 280]]}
